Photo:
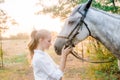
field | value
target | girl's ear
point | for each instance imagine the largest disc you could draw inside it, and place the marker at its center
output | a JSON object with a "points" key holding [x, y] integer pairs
{"points": [[40, 40]]}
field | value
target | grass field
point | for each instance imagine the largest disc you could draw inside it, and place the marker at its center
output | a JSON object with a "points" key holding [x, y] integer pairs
{"points": [[16, 65]]}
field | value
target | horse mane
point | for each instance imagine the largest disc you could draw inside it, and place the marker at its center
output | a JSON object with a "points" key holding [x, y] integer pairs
{"points": [[107, 13], [98, 10]]}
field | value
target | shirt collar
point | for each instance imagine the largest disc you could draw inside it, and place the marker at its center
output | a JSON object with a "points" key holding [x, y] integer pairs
{"points": [[39, 51]]}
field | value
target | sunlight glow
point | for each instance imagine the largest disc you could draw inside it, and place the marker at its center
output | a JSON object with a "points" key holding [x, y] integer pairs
{"points": [[23, 12]]}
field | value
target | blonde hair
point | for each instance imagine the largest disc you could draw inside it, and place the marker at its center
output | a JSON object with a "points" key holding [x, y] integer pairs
{"points": [[35, 36]]}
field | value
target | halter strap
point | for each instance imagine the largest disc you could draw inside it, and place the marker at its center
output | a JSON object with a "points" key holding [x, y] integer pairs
{"points": [[70, 38]]}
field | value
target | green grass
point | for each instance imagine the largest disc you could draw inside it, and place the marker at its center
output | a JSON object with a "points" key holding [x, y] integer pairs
{"points": [[16, 59], [15, 68]]}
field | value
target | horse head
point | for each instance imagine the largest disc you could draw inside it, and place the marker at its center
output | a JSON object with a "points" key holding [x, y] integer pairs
{"points": [[75, 28]]}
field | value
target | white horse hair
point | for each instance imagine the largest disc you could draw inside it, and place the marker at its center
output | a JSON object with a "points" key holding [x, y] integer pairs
{"points": [[103, 26]]}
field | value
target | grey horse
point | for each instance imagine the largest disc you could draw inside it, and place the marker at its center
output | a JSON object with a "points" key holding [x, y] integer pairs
{"points": [[86, 21]]}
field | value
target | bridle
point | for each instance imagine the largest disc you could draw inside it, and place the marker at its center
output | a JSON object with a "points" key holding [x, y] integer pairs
{"points": [[70, 38]]}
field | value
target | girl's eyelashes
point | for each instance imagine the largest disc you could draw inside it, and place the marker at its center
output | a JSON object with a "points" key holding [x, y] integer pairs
{"points": [[49, 40]]}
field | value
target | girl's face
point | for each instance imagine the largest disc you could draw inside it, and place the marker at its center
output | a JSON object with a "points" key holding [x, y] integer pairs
{"points": [[46, 42]]}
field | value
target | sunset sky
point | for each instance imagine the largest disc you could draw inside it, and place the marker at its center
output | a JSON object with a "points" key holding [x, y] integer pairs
{"points": [[23, 12]]}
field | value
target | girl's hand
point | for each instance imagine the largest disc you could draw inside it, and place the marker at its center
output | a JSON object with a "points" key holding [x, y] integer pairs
{"points": [[66, 51]]}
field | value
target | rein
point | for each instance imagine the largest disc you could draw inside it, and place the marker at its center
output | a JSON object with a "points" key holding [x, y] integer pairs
{"points": [[74, 53]]}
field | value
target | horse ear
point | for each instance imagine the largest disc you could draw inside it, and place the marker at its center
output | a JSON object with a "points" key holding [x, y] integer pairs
{"points": [[87, 6]]}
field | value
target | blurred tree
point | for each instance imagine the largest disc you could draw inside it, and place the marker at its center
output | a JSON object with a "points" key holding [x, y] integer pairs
{"points": [[64, 7], [2, 1], [5, 21]]}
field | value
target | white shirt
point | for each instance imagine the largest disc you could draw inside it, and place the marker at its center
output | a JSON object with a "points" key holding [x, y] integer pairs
{"points": [[44, 67]]}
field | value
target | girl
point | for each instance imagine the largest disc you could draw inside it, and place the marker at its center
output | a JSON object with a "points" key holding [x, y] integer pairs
{"points": [[44, 67]]}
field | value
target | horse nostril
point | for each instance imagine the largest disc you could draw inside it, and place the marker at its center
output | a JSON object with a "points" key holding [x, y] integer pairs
{"points": [[55, 48]]}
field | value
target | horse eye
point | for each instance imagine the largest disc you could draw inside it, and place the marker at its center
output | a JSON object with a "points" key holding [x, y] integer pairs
{"points": [[70, 22]]}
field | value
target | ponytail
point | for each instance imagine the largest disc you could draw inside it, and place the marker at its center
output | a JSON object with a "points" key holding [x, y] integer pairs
{"points": [[32, 44]]}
